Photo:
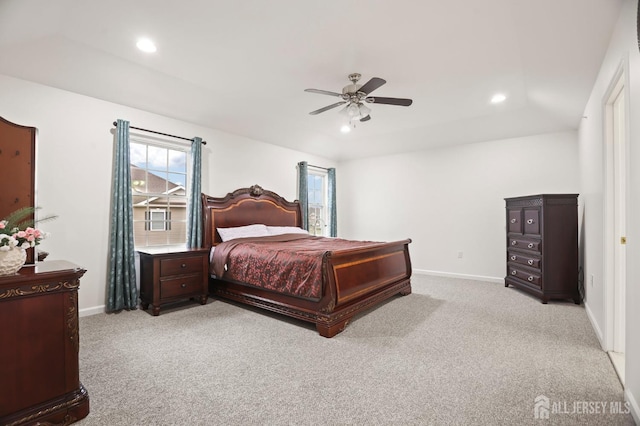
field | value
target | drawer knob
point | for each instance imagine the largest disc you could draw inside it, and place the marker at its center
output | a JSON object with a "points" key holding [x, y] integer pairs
{"points": [[530, 245], [514, 242], [513, 220], [530, 278], [183, 285], [530, 221], [513, 257], [184, 265], [530, 261], [513, 272]]}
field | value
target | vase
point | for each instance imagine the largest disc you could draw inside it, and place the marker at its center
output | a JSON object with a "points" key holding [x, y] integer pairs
{"points": [[12, 260]]}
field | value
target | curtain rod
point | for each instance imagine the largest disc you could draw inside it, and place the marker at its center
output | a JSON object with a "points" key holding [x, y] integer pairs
{"points": [[115, 123], [317, 167]]}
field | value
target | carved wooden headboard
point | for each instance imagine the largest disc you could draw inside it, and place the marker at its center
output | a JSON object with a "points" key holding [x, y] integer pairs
{"points": [[246, 206]]}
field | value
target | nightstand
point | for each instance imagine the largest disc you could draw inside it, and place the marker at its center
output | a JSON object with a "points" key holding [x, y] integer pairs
{"points": [[169, 274]]}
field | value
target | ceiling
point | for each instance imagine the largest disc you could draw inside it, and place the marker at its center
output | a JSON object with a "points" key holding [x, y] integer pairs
{"points": [[242, 66]]}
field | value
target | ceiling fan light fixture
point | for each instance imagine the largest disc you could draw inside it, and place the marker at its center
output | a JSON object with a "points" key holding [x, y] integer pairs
{"points": [[354, 95], [345, 128], [353, 110]]}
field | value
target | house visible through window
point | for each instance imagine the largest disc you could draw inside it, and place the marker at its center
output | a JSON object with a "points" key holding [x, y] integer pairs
{"points": [[159, 192], [317, 190]]}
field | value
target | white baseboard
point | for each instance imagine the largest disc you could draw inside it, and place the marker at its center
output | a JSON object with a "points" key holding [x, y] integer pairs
{"points": [[633, 404], [91, 311], [463, 276], [595, 326]]}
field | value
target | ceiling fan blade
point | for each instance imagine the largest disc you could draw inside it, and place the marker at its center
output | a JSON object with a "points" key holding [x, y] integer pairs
{"points": [[323, 92], [389, 101], [327, 108], [367, 118], [372, 85]]}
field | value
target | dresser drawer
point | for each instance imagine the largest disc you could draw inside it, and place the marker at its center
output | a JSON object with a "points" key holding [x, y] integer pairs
{"points": [[181, 286], [180, 266], [514, 221], [531, 277], [525, 244], [532, 221], [524, 259]]}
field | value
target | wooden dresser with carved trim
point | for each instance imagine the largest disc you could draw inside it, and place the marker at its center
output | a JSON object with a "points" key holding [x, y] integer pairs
{"points": [[39, 345]]}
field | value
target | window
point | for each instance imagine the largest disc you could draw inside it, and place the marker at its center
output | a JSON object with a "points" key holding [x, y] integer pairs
{"points": [[159, 192], [158, 220], [317, 191]]}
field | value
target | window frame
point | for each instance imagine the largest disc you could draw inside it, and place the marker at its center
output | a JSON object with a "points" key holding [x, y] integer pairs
{"points": [[151, 197], [324, 224]]}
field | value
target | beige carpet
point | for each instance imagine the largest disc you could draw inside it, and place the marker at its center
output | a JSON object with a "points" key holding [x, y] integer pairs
{"points": [[456, 352]]}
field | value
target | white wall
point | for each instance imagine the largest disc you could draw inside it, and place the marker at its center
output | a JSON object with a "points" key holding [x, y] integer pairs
{"points": [[74, 168], [449, 200], [623, 50]]}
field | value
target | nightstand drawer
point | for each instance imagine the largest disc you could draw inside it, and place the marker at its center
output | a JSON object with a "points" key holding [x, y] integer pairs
{"points": [[180, 266], [181, 286]]}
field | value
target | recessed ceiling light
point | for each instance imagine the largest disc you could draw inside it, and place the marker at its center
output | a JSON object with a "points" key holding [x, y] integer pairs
{"points": [[497, 98], [146, 45], [345, 129]]}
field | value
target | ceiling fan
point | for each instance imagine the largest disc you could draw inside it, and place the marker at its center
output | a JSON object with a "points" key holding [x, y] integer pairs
{"points": [[354, 96]]}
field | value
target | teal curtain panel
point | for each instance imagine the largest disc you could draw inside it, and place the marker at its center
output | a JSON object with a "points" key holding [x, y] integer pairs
{"points": [[333, 211], [303, 192], [194, 210], [122, 292]]}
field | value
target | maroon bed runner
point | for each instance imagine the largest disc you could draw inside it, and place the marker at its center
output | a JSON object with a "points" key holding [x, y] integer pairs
{"points": [[289, 263]]}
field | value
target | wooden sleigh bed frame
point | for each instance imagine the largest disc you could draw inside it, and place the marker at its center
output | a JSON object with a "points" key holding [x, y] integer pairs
{"points": [[353, 281]]}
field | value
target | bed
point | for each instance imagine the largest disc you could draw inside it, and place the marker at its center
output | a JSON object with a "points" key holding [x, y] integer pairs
{"points": [[353, 278]]}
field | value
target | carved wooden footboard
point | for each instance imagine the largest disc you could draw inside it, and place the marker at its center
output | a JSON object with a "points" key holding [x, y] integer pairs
{"points": [[354, 280]]}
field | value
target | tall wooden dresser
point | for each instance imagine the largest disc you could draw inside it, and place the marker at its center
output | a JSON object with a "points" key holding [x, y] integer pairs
{"points": [[542, 245], [39, 345]]}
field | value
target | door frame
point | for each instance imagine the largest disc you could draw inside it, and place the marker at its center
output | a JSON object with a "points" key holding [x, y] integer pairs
{"points": [[612, 268]]}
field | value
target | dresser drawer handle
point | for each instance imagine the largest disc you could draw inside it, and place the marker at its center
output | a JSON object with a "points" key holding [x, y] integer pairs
{"points": [[530, 221], [514, 257], [530, 278], [183, 285], [513, 272], [530, 245], [513, 220], [514, 242], [184, 265], [530, 261]]}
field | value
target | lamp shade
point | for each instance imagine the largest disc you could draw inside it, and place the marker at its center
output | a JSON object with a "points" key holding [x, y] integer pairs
{"points": [[364, 110]]}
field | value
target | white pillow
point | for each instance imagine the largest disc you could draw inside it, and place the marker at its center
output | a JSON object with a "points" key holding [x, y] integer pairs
{"points": [[257, 230], [279, 230]]}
